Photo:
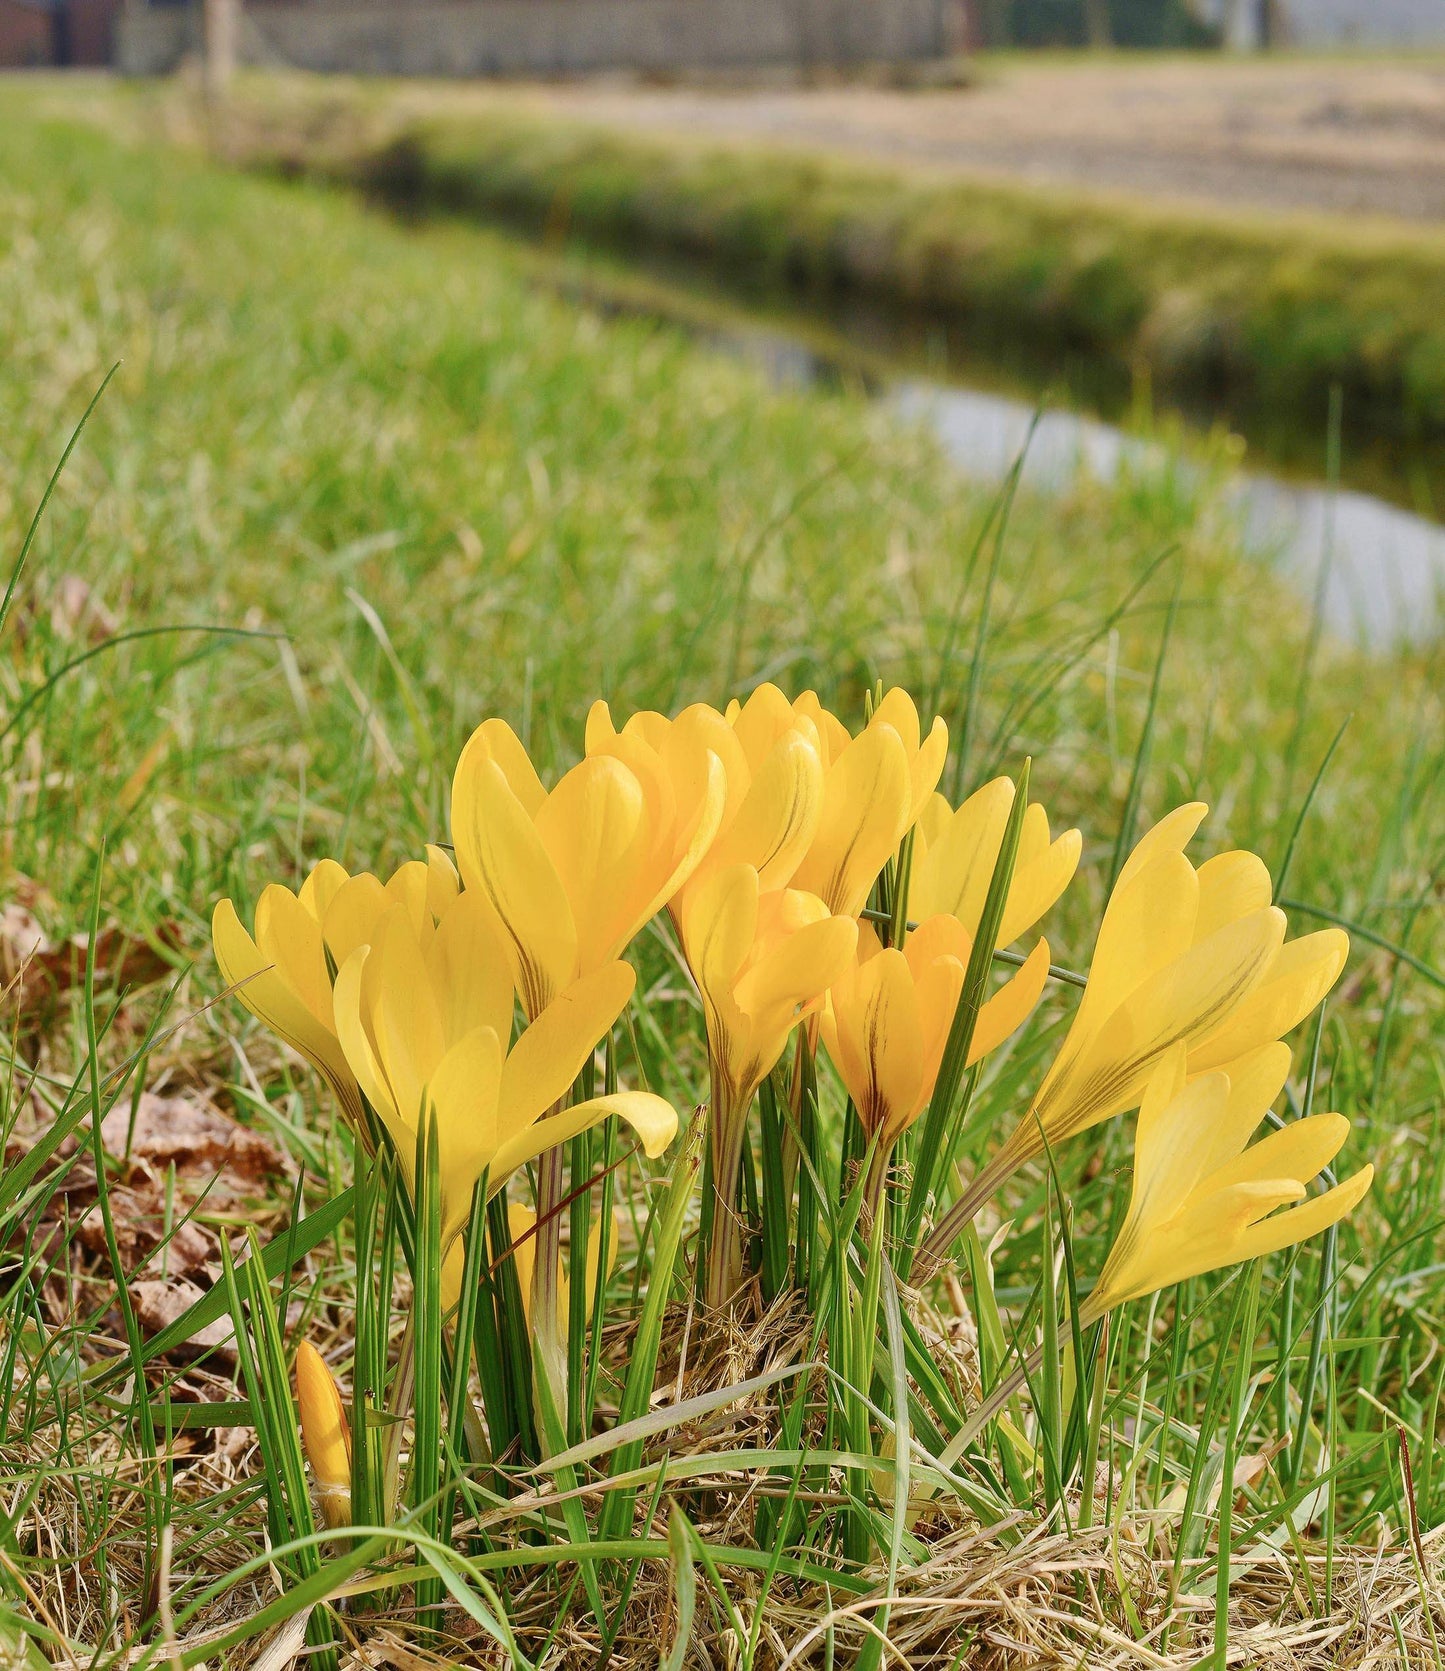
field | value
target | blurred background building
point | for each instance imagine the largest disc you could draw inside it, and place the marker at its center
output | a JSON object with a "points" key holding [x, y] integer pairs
{"points": [[552, 37]]}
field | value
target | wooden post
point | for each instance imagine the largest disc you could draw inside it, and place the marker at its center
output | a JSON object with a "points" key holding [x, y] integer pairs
{"points": [[219, 24]]}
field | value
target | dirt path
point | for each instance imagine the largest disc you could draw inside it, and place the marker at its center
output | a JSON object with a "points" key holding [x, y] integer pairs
{"points": [[1327, 135]]}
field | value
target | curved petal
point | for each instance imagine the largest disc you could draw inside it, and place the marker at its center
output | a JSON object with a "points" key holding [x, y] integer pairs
{"points": [[719, 923], [352, 915], [1038, 883], [496, 740], [473, 974], [1254, 1083], [779, 815], [799, 968], [653, 1119], [832, 735], [594, 829], [1011, 1005], [1172, 834], [1148, 924], [354, 1032], [463, 1096], [955, 852], [290, 937], [696, 834], [1179, 1005], [891, 1045], [401, 1006], [1230, 886], [1283, 1230], [265, 992], [547, 1058], [866, 805], [501, 855], [1302, 1150], [326, 880], [1302, 972]]}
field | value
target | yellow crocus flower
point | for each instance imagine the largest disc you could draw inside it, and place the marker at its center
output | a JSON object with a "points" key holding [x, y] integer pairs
{"points": [[1184, 956], [1201, 1199], [887, 1019], [283, 974], [773, 795], [762, 961], [573, 873], [423, 1019], [927, 756], [875, 787], [954, 854], [325, 1434]]}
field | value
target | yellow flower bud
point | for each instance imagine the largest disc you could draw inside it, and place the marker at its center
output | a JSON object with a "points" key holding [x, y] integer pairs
{"points": [[325, 1434]]}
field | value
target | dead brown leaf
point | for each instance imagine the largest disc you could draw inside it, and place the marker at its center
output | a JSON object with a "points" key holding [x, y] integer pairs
{"points": [[139, 1216], [158, 1304], [37, 972], [190, 1135]]}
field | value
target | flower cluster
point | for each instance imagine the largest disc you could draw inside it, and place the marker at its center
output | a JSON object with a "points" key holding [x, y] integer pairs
{"points": [[821, 891]]}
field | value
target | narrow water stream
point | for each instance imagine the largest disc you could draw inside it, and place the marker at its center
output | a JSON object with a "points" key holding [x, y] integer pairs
{"points": [[1381, 565]]}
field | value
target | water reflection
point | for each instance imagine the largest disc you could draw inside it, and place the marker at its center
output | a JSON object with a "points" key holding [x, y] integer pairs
{"points": [[1383, 568]]}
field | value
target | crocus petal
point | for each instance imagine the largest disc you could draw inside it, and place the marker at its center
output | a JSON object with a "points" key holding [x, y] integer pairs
{"points": [[353, 913], [893, 1045], [265, 992], [1308, 1219], [495, 739], [1254, 1083], [403, 1012], [593, 828], [321, 887], [502, 856], [462, 1094], [1011, 1005], [356, 1041], [1148, 924], [549, 1055], [1230, 885], [955, 854], [865, 814], [698, 832], [798, 968], [473, 971], [1172, 834], [290, 937], [1182, 1003], [779, 815], [1302, 972], [719, 923], [653, 1119], [1039, 881], [1302, 1150]]}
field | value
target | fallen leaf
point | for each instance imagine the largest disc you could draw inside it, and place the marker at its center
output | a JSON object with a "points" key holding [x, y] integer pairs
{"points": [[140, 1228], [38, 972], [191, 1136], [159, 1304]]}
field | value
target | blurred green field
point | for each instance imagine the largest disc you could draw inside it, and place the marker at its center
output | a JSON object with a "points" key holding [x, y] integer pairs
{"points": [[355, 486]]}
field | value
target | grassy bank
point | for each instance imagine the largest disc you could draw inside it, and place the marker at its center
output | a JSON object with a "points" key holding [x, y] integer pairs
{"points": [[1206, 302], [354, 487]]}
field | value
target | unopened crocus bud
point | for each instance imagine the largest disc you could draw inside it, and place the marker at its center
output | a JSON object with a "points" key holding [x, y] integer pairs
{"points": [[325, 1434]]}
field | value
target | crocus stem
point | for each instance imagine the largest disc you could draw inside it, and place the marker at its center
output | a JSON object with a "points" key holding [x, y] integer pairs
{"points": [[938, 1244], [397, 1405], [549, 1347], [727, 1129]]}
